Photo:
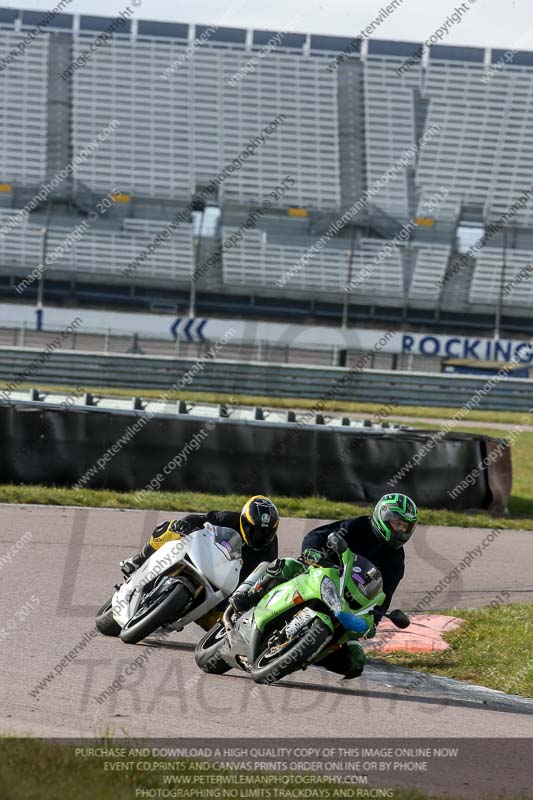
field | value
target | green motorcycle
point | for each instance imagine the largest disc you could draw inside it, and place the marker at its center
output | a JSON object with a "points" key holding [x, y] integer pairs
{"points": [[301, 621]]}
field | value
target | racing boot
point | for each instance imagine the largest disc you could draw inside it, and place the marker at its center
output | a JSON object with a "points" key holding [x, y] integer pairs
{"points": [[347, 660], [132, 564]]}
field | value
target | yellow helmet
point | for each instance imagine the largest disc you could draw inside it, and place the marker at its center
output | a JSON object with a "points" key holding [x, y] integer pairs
{"points": [[259, 522]]}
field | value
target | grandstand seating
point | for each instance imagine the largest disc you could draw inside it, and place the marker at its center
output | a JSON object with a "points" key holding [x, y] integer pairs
{"points": [[181, 131], [430, 267], [185, 113], [517, 281], [111, 254], [390, 128], [483, 150], [23, 111], [259, 260], [100, 252], [20, 247]]}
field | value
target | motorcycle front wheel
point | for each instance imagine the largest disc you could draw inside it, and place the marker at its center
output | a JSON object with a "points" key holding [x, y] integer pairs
{"points": [[278, 661], [105, 622], [207, 653], [156, 612]]}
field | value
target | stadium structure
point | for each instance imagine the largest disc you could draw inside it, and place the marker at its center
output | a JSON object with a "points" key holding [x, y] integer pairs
{"points": [[139, 157]]}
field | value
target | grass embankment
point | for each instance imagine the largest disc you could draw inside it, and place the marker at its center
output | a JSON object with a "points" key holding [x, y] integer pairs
{"points": [[306, 507], [493, 648], [31, 769]]}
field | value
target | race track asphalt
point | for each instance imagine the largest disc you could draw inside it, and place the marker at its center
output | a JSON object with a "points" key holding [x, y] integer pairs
{"points": [[68, 567]]}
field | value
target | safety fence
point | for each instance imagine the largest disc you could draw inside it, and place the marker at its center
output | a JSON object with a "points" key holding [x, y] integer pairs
{"points": [[355, 383]]}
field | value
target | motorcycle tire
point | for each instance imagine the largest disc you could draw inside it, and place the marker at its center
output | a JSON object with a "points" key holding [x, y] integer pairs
{"points": [[310, 641], [207, 653], [105, 622], [170, 609]]}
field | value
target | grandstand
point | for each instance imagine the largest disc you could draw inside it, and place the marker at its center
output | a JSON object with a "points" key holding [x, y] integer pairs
{"points": [[184, 113], [23, 112]]}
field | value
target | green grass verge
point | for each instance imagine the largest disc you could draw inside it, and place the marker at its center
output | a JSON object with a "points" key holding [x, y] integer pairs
{"points": [[31, 769], [307, 507], [493, 648], [509, 417]]}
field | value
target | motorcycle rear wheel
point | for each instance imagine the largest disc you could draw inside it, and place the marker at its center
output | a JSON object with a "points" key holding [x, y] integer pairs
{"points": [[270, 668], [207, 653]]}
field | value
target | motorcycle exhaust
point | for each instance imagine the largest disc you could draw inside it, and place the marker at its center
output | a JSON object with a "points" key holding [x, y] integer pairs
{"points": [[227, 619]]}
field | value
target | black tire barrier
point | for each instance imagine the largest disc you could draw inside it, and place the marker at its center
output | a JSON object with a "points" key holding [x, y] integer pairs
{"points": [[128, 450]]}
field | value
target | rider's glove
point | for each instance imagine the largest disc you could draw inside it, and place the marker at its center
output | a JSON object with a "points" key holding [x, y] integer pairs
{"points": [[313, 556], [351, 622], [181, 526], [275, 568], [337, 541]]}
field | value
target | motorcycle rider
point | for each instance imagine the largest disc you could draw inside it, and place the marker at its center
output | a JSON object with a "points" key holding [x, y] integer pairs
{"points": [[379, 538], [257, 524]]}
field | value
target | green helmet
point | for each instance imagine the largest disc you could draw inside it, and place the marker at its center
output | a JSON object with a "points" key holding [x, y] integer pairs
{"points": [[394, 519]]}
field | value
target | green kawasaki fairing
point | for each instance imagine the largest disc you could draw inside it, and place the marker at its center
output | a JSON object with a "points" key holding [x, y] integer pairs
{"points": [[304, 585]]}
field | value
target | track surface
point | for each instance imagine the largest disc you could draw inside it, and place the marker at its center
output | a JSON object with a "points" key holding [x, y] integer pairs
{"points": [[70, 565]]}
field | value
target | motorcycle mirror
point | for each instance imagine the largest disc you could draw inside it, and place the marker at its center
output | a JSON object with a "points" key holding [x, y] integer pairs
{"points": [[337, 543], [398, 618]]}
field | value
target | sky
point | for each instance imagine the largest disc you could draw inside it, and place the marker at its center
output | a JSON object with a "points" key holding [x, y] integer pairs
{"points": [[486, 23]]}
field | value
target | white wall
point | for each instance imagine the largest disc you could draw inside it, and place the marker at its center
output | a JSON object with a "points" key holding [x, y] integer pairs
{"points": [[158, 326]]}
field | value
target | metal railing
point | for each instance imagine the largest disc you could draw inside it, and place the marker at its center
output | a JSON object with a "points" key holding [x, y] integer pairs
{"points": [[23, 365], [259, 350]]}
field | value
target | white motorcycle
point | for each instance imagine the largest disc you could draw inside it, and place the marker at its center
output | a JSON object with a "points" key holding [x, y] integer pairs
{"points": [[178, 584]]}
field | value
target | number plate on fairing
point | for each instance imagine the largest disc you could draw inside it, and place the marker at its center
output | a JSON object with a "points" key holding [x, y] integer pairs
{"points": [[301, 619]]}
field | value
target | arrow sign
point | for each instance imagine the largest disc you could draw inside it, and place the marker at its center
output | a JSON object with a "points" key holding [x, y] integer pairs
{"points": [[193, 330], [200, 330], [187, 329], [174, 328]]}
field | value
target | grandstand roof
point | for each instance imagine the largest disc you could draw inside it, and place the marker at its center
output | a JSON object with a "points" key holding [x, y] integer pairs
{"points": [[11, 17]]}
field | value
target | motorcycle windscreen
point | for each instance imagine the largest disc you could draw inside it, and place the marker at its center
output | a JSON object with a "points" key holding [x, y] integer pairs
{"points": [[229, 541], [216, 554]]}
